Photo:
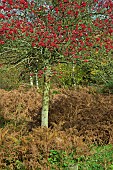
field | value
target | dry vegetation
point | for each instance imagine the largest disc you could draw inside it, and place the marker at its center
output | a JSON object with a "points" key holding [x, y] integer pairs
{"points": [[76, 120]]}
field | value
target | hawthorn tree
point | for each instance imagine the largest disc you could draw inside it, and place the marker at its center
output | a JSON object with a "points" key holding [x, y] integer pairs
{"points": [[64, 32]]}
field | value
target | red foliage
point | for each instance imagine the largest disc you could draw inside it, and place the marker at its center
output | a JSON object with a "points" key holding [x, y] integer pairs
{"points": [[62, 28]]}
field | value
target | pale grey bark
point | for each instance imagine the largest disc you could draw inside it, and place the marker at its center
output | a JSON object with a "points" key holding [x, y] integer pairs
{"points": [[36, 77], [73, 75], [31, 81], [46, 95]]}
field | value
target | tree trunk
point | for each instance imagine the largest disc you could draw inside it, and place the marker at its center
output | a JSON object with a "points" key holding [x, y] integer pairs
{"points": [[46, 95], [36, 79], [73, 75], [31, 80]]}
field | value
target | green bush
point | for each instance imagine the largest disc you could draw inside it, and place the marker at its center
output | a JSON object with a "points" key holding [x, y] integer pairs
{"points": [[60, 159], [100, 159], [9, 78]]}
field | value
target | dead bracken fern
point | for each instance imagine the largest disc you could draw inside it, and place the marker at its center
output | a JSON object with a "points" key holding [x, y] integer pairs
{"points": [[76, 120]]}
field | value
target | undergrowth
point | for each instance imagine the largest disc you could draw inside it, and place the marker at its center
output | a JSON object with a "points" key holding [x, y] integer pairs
{"points": [[101, 157], [80, 133]]}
